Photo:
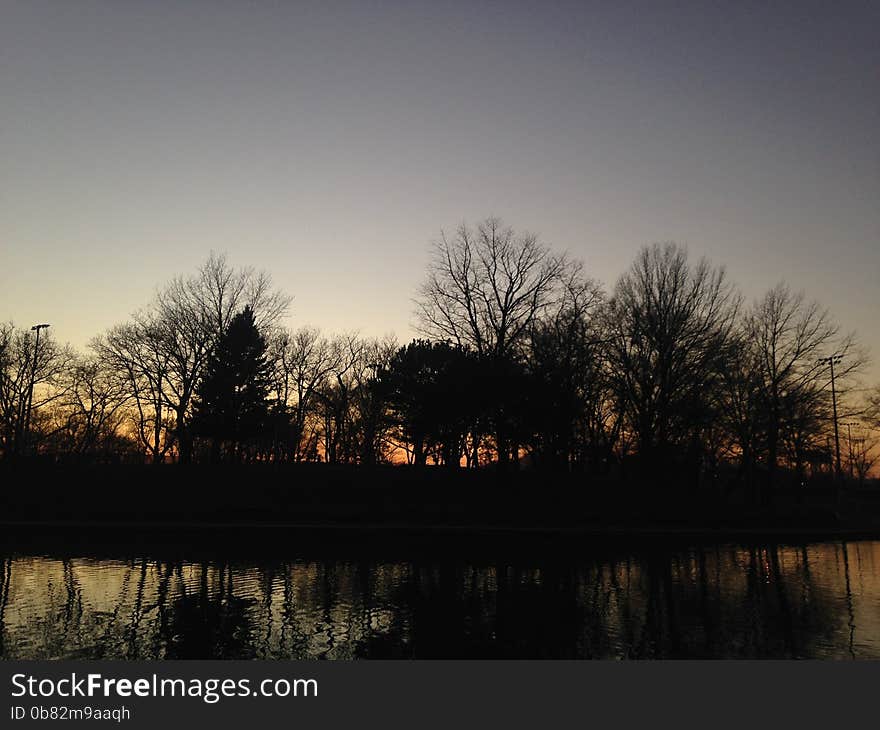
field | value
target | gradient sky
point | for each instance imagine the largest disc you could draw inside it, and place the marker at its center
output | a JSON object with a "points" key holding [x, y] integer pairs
{"points": [[329, 143]]}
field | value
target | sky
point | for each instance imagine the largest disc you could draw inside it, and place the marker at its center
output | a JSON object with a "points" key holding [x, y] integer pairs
{"points": [[330, 143]]}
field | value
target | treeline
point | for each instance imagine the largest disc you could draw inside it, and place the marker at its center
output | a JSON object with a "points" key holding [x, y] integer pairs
{"points": [[525, 361]]}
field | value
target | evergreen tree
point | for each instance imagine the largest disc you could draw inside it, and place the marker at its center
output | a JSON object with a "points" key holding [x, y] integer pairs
{"points": [[231, 403], [433, 390]]}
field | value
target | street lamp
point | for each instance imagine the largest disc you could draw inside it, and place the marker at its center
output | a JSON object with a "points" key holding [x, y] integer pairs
{"points": [[27, 427], [849, 425], [831, 360]]}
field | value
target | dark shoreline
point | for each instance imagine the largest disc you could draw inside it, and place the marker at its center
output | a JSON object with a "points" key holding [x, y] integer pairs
{"points": [[612, 532], [272, 504], [244, 543], [235, 542]]}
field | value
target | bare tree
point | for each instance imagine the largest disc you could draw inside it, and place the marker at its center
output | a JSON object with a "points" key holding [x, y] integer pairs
{"points": [[864, 454], [872, 407], [370, 421], [304, 360], [568, 421], [334, 400], [194, 311], [741, 412], [669, 330], [791, 338], [91, 415], [351, 402], [31, 380], [166, 347], [137, 352], [484, 290], [14, 381], [485, 287]]}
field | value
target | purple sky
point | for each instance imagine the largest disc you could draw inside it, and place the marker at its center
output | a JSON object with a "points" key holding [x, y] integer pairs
{"points": [[329, 143]]}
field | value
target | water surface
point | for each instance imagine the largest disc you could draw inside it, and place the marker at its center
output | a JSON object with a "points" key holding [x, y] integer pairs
{"points": [[819, 600]]}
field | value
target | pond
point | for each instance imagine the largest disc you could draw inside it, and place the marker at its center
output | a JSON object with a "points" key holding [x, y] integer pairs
{"points": [[818, 600]]}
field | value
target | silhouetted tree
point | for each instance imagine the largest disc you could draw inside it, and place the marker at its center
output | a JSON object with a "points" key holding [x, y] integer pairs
{"points": [[352, 402], [195, 311], [788, 336], [872, 407], [429, 394], [231, 400], [165, 348], [863, 453], [304, 360], [335, 402], [741, 412], [22, 365], [669, 326], [484, 289], [370, 423], [89, 419], [136, 352], [568, 421]]}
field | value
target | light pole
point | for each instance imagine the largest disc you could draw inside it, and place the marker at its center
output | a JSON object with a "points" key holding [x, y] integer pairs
{"points": [[849, 441], [27, 425], [830, 361]]}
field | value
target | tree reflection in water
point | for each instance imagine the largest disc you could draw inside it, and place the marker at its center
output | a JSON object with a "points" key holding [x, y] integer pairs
{"points": [[720, 601]]}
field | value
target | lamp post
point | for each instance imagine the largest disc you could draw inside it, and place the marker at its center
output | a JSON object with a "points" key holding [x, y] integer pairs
{"points": [[830, 361], [27, 425], [849, 441]]}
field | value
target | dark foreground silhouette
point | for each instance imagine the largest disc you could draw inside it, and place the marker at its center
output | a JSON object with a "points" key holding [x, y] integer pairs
{"points": [[416, 500]]}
